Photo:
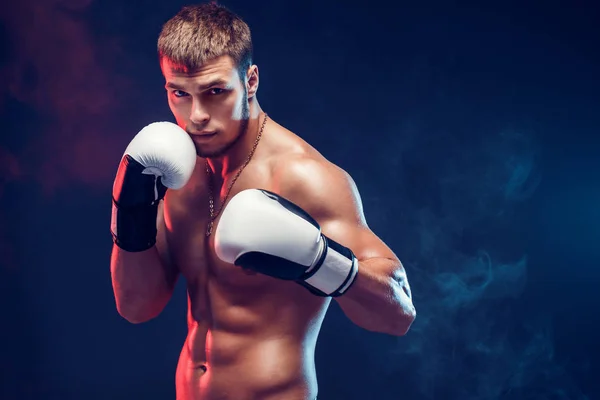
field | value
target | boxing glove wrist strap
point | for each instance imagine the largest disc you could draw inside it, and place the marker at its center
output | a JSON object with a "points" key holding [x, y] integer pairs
{"points": [[334, 272], [134, 228]]}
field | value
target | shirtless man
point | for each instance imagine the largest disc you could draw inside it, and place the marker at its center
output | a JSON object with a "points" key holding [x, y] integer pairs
{"points": [[263, 228]]}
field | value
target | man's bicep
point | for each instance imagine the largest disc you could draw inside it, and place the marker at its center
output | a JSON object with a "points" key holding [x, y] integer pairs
{"points": [[162, 246], [358, 237], [331, 197], [345, 222]]}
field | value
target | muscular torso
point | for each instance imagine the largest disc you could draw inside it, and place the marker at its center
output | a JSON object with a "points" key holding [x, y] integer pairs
{"points": [[250, 336]]}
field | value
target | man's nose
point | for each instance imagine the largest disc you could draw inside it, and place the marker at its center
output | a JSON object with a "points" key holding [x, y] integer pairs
{"points": [[199, 116]]}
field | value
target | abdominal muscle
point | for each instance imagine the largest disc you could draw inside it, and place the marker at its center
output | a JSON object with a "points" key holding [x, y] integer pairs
{"points": [[258, 345]]}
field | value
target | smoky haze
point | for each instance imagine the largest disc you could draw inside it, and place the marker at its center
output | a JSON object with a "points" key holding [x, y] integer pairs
{"points": [[445, 136]]}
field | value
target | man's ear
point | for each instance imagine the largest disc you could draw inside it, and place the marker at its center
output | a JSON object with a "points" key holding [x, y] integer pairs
{"points": [[252, 81]]}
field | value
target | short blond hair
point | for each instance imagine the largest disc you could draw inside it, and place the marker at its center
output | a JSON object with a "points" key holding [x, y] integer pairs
{"points": [[199, 33]]}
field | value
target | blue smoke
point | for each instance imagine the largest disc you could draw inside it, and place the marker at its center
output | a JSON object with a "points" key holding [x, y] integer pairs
{"points": [[458, 227]]}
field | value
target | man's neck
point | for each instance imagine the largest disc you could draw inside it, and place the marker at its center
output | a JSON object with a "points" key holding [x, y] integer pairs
{"points": [[237, 155]]}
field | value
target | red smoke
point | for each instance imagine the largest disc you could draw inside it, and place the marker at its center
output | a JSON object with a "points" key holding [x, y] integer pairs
{"points": [[57, 69]]}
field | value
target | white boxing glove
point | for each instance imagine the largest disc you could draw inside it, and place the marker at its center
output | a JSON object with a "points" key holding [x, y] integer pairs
{"points": [[264, 232], [165, 150], [160, 156]]}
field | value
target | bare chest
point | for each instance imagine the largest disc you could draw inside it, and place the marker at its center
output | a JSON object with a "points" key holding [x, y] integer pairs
{"points": [[192, 248]]}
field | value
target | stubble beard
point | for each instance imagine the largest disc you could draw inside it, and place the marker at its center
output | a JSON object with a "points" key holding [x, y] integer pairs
{"points": [[243, 129]]}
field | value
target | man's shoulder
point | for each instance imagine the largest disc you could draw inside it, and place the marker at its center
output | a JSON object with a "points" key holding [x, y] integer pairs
{"points": [[295, 157], [314, 183], [299, 169], [302, 167]]}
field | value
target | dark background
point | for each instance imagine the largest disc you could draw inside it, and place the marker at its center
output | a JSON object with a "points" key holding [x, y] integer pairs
{"points": [[472, 134]]}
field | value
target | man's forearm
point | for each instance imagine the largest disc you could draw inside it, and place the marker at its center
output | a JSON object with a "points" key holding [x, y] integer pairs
{"points": [[140, 284], [379, 300]]}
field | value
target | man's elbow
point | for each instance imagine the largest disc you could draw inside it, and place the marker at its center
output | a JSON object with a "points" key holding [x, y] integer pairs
{"points": [[137, 313], [404, 322], [136, 318]]}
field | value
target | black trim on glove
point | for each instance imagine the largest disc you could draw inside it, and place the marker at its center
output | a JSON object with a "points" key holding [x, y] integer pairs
{"points": [[135, 226], [135, 207]]}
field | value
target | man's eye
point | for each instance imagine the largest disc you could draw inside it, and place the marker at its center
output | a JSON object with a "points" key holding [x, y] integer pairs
{"points": [[216, 91], [179, 93]]}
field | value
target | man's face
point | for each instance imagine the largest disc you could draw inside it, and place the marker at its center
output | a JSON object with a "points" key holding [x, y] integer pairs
{"points": [[211, 104]]}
